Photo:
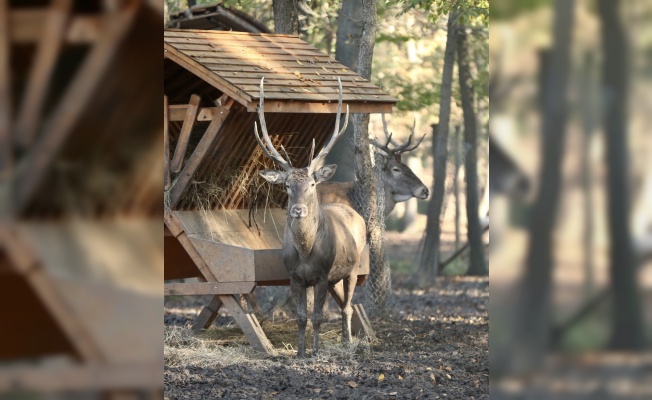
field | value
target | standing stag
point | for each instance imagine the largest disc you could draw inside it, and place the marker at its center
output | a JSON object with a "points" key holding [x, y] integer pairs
{"points": [[322, 244], [399, 182]]}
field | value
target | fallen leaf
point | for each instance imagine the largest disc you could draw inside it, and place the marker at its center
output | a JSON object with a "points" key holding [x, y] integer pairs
{"points": [[432, 376], [317, 72], [381, 377], [299, 62], [297, 73], [343, 69], [392, 393], [352, 384], [318, 390], [324, 68], [428, 368], [449, 369], [400, 378]]}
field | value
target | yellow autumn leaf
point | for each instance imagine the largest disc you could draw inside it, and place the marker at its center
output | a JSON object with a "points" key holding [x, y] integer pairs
{"points": [[297, 73], [400, 378], [381, 377]]}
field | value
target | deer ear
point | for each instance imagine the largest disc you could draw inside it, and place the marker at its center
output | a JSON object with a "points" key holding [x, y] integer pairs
{"points": [[273, 176], [325, 173]]}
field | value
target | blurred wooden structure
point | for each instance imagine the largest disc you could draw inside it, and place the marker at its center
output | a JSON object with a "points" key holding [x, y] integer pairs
{"points": [[80, 253], [223, 225]]}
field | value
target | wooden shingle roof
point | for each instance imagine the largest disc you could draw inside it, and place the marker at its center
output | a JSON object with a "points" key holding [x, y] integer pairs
{"points": [[298, 77]]}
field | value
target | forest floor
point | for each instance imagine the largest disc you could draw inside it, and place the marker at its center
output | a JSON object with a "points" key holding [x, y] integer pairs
{"points": [[433, 345]]}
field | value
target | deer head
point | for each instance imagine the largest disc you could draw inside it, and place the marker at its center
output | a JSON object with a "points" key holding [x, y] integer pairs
{"points": [[300, 183], [398, 178]]}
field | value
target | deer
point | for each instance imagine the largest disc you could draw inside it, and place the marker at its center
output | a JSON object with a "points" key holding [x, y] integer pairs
{"points": [[322, 244], [399, 181]]}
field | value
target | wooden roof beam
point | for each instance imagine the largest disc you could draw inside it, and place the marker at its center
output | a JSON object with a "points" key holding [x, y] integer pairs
{"points": [[184, 135], [289, 106], [177, 112]]}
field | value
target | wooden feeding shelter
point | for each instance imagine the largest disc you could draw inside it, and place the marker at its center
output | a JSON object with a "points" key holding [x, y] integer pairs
{"points": [[215, 17], [223, 224], [80, 264]]}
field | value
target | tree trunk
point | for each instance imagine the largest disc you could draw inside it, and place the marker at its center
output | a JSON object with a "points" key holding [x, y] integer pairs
{"points": [[347, 49], [628, 331], [477, 264], [456, 186], [285, 16], [428, 266], [532, 335], [369, 188]]}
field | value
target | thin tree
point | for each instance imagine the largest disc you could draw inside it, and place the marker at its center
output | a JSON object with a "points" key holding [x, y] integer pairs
{"points": [[477, 264], [628, 331], [429, 264]]}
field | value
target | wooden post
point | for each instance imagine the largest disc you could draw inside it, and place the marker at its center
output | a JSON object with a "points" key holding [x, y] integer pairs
{"points": [[166, 145], [184, 135], [52, 37]]}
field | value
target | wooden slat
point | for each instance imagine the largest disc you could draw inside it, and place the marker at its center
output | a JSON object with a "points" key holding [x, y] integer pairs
{"points": [[52, 37], [306, 80], [71, 107], [205, 74], [245, 52], [27, 24], [253, 56], [166, 145], [67, 378], [224, 41], [200, 152], [6, 146], [184, 136], [244, 36], [184, 289], [177, 112], [312, 107]]}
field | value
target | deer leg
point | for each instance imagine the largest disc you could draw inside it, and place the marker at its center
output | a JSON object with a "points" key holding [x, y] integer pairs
{"points": [[347, 309], [321, 289], [299, 293]]}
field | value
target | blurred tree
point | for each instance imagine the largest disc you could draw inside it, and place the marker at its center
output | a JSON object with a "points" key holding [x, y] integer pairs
{"points": [[628, 332], [477, 264], [532, 333]]}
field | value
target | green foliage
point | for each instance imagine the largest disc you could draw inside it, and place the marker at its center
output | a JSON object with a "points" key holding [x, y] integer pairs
{"points": [[472, 12], [505, 9]]}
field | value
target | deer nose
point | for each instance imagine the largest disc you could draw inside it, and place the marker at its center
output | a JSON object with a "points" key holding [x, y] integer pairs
{"points": [[298, 211], [423, 193]]}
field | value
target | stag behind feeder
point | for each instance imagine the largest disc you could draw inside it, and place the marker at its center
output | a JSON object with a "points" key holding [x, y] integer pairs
{"points": [[399, 182], [322, 244]]}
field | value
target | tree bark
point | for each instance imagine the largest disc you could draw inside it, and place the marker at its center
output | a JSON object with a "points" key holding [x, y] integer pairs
{"points": [[532, 334], [347, 49], [456, 186], [429, 264], [477, 264], [369, 188], [628, 332], [285, 16]]}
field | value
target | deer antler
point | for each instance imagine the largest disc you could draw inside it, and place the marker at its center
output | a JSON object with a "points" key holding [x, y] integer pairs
{"points": [[317, 161], [268, 147], [398, 149]]}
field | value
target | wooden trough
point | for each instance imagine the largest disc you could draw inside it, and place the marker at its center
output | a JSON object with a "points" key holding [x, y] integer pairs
{"points": [[224, 225], [80, 266]]}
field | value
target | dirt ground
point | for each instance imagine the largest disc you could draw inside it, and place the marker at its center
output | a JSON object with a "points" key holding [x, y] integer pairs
{"points": [[433, 346]]}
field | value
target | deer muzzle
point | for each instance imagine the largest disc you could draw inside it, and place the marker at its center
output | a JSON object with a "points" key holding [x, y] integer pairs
{"points": [[298, 211], [422, 193]]}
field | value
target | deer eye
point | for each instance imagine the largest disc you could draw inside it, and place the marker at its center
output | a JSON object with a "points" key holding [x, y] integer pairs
{"points": [[396, 169]]}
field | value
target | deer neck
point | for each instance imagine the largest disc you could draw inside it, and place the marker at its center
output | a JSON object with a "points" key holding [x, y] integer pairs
{"points": [[389, 199], [303, 231]]}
